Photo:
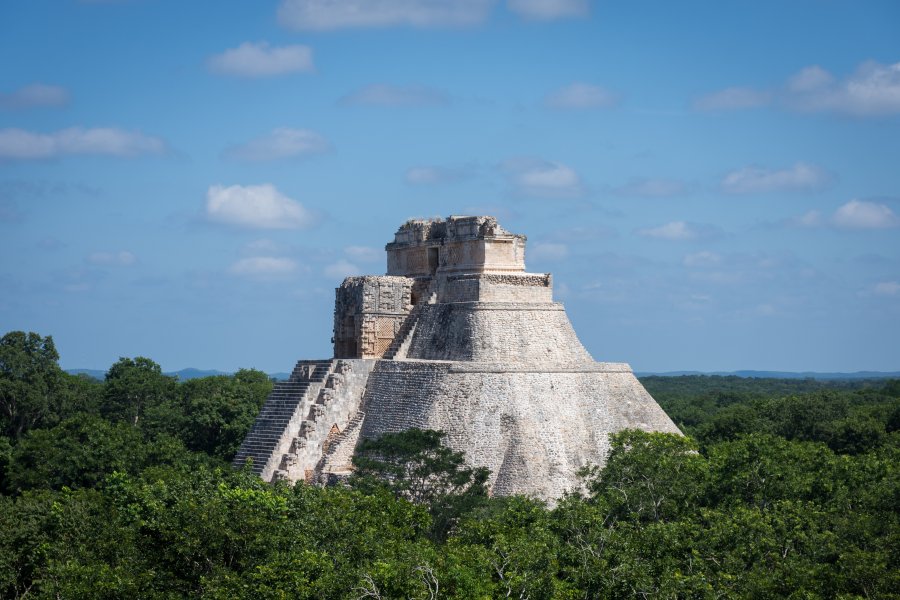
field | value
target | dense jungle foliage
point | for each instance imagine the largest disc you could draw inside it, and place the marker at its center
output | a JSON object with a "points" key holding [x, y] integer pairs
{"points": [[122, 489]]}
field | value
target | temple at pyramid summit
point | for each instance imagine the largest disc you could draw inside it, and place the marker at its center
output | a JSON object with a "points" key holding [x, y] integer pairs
{"points": [[457, 337]]}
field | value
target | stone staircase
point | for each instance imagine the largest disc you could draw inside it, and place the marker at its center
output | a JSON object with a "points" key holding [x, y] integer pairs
{"points": [[327, 419], [281, 416], [400, 345]]}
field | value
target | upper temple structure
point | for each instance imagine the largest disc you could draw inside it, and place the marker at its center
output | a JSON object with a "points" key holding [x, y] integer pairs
{"points": [[456, 337]]}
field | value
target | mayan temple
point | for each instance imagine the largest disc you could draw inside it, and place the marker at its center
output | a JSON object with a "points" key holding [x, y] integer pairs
{"points": [[457, 337]]}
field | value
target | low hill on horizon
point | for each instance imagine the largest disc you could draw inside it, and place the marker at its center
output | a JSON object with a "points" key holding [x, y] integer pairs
{"points": [[182, 375], [777, 374], [193, 373]]}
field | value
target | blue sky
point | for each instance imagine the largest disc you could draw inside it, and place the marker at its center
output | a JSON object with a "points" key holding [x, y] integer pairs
{"points": [[715, 186]]}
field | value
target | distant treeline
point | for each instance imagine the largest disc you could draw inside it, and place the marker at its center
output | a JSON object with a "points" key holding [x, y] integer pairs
{"points": [[121, 488]]}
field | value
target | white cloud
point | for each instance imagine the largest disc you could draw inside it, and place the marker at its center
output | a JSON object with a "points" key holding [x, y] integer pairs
{"points": [[342, 268], [542, 178], [322, 15], [260, 60], [652, 188], [872, 90], [802, 177], [546, 10], [33, 96], [383, 94], [122, 258], [263, 267], [702, 259], [548, 252], [887, 288], [364, 253], [861, 214], [678, 231], [282, 143], [255, 206], [19, 144], [579, 96], [733, 98]]}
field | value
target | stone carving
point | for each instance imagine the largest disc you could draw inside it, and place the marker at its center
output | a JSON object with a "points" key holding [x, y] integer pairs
{"points": [[457, 337]]}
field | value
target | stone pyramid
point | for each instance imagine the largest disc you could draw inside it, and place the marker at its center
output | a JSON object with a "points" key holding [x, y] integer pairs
{"points": [[456, 337]]}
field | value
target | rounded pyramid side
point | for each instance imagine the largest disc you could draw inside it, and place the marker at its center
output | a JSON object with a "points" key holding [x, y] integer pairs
{"points": [[534, 429], [514, 333]]}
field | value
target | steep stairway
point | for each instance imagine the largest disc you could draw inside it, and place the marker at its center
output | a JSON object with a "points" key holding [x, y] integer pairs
{"points": [[399, 346], [280, 416], [326, 419]]}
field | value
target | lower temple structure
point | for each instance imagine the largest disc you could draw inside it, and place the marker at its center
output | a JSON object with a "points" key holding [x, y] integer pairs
{"points": [[456, 337]]}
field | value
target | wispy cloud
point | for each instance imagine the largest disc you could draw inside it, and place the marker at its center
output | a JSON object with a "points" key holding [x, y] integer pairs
{"points": [[35, 95], [256, 207], [542, 178], [861, 214], [680, 231], [19, 144], [364, 253], [872, 90], [340, 269], [263, 267], [802, 177], [808, 220], [703, 258], [581, 96], [123, 258], [887, 288], [261, 60], [323, 15], [383, 94], [282, 143], [548, 10]]}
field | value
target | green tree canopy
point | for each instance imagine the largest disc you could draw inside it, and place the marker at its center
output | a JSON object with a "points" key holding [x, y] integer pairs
{"points": [[135, 388], [416, 466], [29, 382]]}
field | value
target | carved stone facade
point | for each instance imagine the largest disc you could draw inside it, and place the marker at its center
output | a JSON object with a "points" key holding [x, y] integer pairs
{"points": [[457, 337], [368, 313], [460, 244]]}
